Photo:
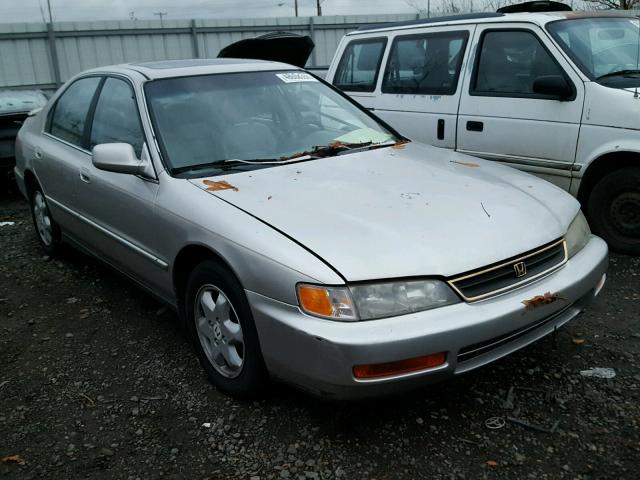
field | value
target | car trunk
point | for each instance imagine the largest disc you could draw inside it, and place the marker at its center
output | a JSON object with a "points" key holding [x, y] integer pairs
{"points": [[277, 47]]}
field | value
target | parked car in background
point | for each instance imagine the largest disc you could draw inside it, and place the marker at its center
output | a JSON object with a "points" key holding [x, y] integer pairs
{"points": [[15, 106], [554, 94], [297, 235]]}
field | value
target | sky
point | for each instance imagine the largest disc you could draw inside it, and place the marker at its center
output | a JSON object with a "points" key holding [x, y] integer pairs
{"points": [[70, 10]]}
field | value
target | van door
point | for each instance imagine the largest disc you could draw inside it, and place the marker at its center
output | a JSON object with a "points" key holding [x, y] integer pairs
{"points": [[420, 92], [504, 114]]}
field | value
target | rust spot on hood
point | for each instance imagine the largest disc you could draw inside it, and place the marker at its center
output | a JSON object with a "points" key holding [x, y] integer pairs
{"points": [[221, 185], [466, 164], [539, 300]]}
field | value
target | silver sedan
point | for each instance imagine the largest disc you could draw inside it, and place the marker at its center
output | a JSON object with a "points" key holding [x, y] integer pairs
{"points": [[297, 235]]}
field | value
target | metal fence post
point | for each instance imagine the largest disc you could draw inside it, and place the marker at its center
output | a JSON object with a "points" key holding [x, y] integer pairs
{"points": [[194, 39], [53, 54], [312, 34]]}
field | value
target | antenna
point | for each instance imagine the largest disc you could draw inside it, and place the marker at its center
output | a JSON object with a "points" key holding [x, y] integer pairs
{"points": [[635, 95]]}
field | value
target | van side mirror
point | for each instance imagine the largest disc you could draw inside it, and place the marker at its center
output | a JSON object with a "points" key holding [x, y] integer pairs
{"points": [[554, 86], [117, 157]]}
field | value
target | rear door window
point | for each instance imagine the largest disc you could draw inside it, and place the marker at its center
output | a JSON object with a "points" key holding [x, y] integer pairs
{"points": [[116, 117], [359, 66], [426, 64], [70, 114]]}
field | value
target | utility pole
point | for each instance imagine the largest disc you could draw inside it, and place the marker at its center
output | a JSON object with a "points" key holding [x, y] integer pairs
{"points": [[295, 6], [161, 14], [49, 8], [319, 7]]}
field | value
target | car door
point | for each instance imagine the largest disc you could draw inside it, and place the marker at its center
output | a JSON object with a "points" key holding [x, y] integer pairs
{"points": [[60, 151], [118, 207], [419, 94], [501, 117]]}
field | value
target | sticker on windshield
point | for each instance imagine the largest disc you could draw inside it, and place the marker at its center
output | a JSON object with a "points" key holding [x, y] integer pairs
{"points": [[293, 77]]}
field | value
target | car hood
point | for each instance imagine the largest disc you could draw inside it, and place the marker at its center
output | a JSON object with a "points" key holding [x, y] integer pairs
{"points": [[402, 212]]}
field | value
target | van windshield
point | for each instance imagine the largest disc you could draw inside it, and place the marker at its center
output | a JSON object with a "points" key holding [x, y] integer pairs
{"points": [[243, 121], [606, 49]]}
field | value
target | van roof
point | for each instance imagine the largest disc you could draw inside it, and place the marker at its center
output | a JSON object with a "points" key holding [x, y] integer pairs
{"points": [[487, 17]]}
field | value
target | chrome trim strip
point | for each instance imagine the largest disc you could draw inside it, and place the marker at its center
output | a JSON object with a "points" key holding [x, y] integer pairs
{"points": [[532, 162], [504, 264], [149, 256], [47, 134]]}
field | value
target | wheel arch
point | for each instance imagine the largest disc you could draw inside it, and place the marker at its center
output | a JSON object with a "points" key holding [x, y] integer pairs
{"points": [[603, 165], [186, 260], [31, 182]]}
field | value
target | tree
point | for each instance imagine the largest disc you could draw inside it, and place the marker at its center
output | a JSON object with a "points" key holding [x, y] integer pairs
{"points": [[615, 4]]}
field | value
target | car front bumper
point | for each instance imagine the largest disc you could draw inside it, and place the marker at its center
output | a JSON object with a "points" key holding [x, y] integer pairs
{"points": [[318, 355]]}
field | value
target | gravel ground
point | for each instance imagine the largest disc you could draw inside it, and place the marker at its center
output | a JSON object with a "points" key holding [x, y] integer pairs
{"points": [[97, 381]]}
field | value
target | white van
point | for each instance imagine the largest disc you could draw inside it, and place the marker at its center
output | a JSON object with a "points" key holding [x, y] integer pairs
{"points": [[555, 94]]}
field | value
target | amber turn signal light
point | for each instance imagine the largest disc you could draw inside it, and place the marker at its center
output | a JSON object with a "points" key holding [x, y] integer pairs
{"points": [[379, 370], [315, 300]]}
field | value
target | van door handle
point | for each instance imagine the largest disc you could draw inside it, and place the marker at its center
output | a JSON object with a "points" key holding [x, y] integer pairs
{"points": [[440, 132], [475, 126], [84, 175]]}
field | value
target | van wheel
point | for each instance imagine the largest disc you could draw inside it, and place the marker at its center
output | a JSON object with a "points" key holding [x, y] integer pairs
{"points": [[221, 326], [614, 210], [47, 230]]}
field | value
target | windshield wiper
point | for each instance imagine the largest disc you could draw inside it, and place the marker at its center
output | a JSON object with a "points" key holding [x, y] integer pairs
{"points": [[221, 165], [619, 73], [332, 149]]}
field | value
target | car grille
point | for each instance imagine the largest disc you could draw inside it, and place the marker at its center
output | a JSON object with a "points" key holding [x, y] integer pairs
{"points": [[493, 280]]}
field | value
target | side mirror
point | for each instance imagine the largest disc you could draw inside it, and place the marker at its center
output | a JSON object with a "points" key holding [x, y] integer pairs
{"points": [[554, 86], [117, 157]]}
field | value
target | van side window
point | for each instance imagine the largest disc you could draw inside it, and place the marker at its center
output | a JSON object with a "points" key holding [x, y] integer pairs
{"points": [[425, 64], [359, 65], [509, 63]]}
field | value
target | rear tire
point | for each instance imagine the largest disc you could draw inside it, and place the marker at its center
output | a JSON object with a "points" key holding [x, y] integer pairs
{"points": [[221, 326], [613, 210], [47, 230]]}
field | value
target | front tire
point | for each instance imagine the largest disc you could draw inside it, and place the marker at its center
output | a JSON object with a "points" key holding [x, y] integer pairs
{"points": [[613, 210], [47, 229], [222, 329]]}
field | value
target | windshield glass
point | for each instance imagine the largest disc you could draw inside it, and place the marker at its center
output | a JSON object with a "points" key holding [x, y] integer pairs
{"points": [[605, 49], [254, 120]]}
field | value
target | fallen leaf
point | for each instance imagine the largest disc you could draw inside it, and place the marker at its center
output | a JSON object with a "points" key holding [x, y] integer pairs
{"points": [[543, 299], [492, 463], [466, 164], [13, 459], [221, 185], [399, 145], [578, 341]]}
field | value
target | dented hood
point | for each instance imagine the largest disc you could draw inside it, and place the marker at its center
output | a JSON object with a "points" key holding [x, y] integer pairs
{"points": [[414, 211]]}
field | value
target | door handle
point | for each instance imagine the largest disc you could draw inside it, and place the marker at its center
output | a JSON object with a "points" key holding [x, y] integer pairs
{"points": [[37, 153], [475, 126], [84, 175], [440, 132]]}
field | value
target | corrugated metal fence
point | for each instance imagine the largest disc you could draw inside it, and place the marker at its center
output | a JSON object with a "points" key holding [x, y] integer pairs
{"points": [[37, 55]]}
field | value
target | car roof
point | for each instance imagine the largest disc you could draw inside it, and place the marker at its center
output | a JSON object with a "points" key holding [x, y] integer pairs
{"points": [[189, 67], [541, 19]]}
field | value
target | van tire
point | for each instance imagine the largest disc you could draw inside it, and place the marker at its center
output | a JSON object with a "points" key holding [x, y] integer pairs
{"points": [[613, 210]]}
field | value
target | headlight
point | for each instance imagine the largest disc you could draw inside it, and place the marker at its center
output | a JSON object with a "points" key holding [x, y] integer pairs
{"points": [[375, 300], [577, 235]]}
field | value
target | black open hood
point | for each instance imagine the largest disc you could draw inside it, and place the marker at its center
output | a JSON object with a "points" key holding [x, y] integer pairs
{"points": [[278, 47]]}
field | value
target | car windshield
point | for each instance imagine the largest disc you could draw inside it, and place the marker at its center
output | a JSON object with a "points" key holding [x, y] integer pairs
{"points": [[606, 49], [255, 120]]}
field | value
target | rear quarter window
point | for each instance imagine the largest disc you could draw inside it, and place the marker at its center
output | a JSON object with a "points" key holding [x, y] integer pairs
{"points": [[359, 66]]}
